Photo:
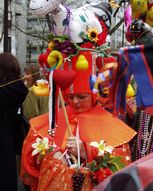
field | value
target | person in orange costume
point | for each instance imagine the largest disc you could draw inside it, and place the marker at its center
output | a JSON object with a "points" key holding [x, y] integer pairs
{"points": [[89, 122]]}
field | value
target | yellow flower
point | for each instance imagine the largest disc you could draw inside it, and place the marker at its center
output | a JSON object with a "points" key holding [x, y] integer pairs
{"points": [[93, 34], [102, 148], [40, 146]]}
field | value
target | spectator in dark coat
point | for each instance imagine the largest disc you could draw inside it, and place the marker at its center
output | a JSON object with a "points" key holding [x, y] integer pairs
{"points": [[12, 96]]}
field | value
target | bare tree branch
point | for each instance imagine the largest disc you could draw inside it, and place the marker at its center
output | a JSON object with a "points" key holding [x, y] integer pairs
{"points": [[30, 34]]}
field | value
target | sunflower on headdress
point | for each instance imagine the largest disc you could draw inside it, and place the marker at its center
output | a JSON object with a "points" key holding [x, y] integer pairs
{"points": [[93, 37], [92, 34]]}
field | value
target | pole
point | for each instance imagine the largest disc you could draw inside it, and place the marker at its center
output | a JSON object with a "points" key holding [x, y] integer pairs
{"points": [[65, 112], [5, 43], [116, 26], [123, 32]]}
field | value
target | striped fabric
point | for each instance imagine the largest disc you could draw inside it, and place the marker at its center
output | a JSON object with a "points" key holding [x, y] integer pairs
{"points": [[137, 61]]}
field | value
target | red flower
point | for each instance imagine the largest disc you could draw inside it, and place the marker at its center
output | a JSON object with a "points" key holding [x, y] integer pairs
{"points": [[94, 152], [102, 174]]}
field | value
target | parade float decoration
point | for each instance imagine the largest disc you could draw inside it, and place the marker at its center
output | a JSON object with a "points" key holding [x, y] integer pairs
{"points": [[142, 9], [77, 40], [138, 17], [42, 88], [139, 32], [130, 92], [68, 22]]}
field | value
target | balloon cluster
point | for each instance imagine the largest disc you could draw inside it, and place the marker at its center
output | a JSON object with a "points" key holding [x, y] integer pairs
{"points": [[142, 9]]}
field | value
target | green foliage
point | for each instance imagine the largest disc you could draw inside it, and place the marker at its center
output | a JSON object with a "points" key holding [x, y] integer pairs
{"points": [[50, 149], [61, 38], [114, 163], [83, 35]]}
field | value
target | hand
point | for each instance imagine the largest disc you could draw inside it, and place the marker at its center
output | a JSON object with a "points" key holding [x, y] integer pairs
{"points": [[72, 147], [57, 155]]}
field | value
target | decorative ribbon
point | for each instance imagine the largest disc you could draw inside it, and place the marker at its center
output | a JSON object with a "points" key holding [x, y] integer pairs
{"points": [[136, 60]]}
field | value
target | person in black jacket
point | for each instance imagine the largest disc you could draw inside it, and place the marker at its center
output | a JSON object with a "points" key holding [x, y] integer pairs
{"points": [[12, 95]]}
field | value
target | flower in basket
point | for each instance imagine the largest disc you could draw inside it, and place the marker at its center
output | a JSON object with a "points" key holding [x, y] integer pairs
{"points": [[41, 146], [102, 148], [105, 163]]}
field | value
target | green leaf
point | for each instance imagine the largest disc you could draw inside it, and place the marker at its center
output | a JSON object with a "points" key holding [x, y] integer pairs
{"points": [[64, 36], [113, 168], [92, 166], [49, 150], [83, 35], [106, 157], [60, 38], [117, 161], [50, 36]]}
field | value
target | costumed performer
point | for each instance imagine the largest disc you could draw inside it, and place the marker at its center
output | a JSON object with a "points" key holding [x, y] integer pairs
{"points": [[88, 122]]}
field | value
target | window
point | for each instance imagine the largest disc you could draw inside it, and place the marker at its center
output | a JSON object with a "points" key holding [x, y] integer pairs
{"points": [[18, 1], [32, 50]]}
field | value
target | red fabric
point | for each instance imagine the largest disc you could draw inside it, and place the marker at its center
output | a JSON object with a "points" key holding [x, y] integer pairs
{"points": [[81, 83], [105, 125], [54, 176]]}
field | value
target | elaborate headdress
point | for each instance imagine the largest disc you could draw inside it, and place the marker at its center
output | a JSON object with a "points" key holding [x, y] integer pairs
{"points": [[84, 67]]}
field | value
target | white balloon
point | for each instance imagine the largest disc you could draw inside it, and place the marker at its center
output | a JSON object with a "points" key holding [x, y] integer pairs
{"points": [[67, 20], [43, 7], [73, 3]]}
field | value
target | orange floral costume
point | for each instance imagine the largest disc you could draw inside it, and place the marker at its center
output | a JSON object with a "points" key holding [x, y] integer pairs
{"points": [[94, 125]]}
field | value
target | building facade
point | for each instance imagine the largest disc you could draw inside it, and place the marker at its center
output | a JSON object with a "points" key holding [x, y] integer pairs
{"points": [[17, 13], [36, 43]]}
